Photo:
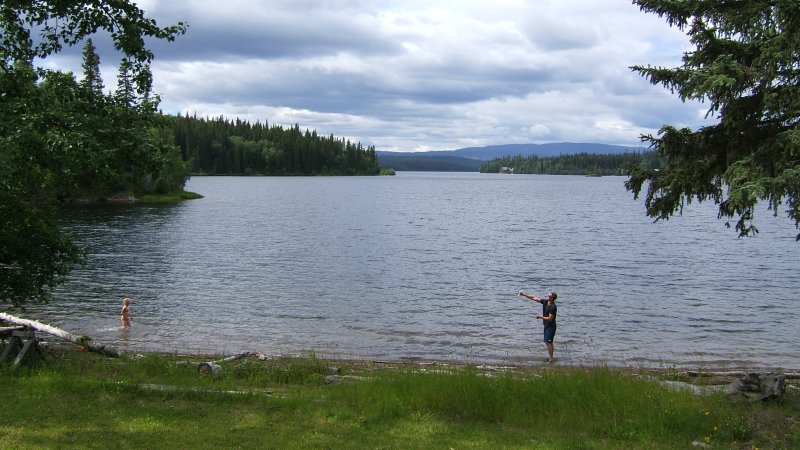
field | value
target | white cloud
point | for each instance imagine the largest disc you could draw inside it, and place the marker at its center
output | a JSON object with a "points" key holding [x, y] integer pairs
{"points": [[539, 131]]}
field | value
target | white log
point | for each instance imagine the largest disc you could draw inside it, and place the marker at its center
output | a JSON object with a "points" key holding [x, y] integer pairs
{"points": [[83, 341], [209, 368], [234, 357]]}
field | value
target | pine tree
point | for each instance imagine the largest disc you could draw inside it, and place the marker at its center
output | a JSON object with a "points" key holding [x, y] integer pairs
{"points": [[745, 66], [92, 79], [125, 94]]}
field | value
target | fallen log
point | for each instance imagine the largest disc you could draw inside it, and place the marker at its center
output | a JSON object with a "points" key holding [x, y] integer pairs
{"points": [[83, 341], [234, 357], [214, 368], [759, 386]]}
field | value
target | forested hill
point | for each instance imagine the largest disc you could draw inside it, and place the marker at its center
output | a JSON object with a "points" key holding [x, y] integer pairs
{"points": [[490, 152], [470, 159], [576, 164], [224, 147], [220, 146]]}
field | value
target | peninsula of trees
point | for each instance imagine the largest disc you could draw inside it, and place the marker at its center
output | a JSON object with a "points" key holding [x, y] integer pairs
{"points": [[226, 147]]}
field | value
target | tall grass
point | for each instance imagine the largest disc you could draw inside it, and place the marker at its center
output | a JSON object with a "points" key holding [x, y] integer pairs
{"points": [[78, 400], [579, 405], [180, 370]]}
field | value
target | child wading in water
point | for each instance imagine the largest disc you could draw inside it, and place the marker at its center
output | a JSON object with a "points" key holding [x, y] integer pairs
{"points": [[126, 312]]}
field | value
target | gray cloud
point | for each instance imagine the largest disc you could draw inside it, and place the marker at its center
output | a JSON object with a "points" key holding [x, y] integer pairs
{"points": [[221, 31], [418, 75]]}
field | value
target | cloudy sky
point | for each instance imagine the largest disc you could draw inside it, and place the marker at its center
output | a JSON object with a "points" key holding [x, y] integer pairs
{"points": [[419, 75]]}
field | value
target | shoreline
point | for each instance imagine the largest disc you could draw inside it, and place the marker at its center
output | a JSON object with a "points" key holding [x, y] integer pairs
{"points": [[128, 198], [483, 365], [56, 338], [697, 380]]}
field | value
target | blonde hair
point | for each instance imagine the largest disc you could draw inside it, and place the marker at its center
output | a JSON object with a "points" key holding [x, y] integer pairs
{"points": [[126, 301]]}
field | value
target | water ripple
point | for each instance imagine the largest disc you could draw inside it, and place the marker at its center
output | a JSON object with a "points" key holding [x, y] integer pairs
{"points": [[427, 266]]}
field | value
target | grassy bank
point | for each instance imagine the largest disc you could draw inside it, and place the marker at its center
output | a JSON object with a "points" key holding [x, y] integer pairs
{"points": [[80, 400], [128, 197], [169, 198]]}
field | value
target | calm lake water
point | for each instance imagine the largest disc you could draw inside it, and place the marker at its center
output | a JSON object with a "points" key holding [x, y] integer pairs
{"points": [[428, 266]]}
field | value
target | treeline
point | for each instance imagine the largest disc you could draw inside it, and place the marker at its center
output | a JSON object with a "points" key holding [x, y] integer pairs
{"points": [[220, 146], [574, 164]]}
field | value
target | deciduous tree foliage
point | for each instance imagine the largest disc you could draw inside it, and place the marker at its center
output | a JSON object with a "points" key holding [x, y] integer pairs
{"points": [[746, 66], [34, 254], [59, 138]]}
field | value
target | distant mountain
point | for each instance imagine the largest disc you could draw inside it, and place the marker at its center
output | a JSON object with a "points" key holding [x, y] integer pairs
{"points": [[470, 159]]}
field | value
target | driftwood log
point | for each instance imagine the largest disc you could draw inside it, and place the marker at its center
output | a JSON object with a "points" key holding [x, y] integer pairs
{"points": [[214, 368], [735, 373], [759, 386], [83, 341]]}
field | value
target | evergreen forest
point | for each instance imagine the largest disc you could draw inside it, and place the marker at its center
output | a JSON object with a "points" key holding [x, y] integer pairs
{"points": [[220, 146], [575, 164]]}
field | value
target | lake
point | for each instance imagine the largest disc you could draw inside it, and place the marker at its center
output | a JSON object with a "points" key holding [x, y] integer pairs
{"points": [[427, 266]]}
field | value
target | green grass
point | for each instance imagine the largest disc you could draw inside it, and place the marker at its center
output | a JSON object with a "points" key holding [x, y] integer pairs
{"points": [[174, 197], [80, 400]]}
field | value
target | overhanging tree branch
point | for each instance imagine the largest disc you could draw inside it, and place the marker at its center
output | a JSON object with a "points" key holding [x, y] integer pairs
{"points": [[745, 65]]}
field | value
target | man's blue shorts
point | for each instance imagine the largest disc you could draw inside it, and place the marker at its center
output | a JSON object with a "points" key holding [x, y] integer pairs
{"points": [[549, 332]]}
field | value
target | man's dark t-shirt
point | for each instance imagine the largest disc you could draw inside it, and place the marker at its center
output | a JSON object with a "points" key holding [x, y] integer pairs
{"points": [[548, 309]]}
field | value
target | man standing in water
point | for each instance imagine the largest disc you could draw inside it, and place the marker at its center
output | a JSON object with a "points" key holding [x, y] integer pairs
{"points": [[548, 316]]}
